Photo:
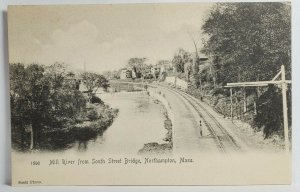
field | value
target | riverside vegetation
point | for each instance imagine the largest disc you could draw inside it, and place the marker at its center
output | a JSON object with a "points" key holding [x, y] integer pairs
{"points": [[240, 42], [48, 110], [245, 42]]}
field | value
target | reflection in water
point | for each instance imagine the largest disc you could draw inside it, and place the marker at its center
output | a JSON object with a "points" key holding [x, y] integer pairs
{"points": [[82, 145], [139, 121], [117, 87], [142, 105]]}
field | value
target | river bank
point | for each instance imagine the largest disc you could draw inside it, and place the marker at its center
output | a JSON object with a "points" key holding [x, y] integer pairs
{"points": [[167, 147], [91, 124]]}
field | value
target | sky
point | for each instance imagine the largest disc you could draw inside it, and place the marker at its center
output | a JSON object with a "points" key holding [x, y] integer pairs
{"points": [[102, 37]]}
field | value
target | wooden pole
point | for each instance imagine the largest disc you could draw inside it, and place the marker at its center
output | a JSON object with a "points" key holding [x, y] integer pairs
{"points": [[245, 100], [283, 82], [231, 107], [254, 106], [255, 84], [31, 137], [284, 109], [236, 105]]}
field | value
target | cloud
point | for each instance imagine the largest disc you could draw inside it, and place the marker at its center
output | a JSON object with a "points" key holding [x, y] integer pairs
{"points": [[103, 37], [80, 44]]}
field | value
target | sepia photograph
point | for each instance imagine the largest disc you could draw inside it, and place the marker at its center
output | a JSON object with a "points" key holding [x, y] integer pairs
{"points": [[151, 94]]}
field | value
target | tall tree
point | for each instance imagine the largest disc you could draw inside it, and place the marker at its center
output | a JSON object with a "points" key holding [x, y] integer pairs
{"points": [[180, 58], [139, 66], [195, 76], [248, 40], [41, 98]]}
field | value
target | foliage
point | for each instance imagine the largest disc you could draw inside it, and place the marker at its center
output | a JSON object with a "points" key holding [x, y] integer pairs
{"points": [[248, 41], [96, 99], [92, 115], [45, 101], [195, 76], [187, 70], [109, 75], [93, 82], [138, 66], [41, 97], [180, 58], [269, 116]]}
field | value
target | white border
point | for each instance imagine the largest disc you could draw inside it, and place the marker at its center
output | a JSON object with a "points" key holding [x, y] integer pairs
{"points": [[5, 117]]}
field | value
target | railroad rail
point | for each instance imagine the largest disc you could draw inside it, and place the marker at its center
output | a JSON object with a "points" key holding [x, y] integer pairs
{"points": [[222, 138], [224, 141]]}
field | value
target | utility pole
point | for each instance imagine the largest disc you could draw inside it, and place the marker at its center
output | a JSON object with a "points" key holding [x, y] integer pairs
{"points": [[285, 108], [283, 82], [231, 105]]}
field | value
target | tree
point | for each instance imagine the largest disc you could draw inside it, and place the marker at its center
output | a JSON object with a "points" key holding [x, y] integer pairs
{"points": [[139, 66], [180, 58], [269, 116], [112, 74], [195, 76], [35, 94], [188, 68], [248, 41], [164, 66], [93, 82], [41, 99], [19, 103]]}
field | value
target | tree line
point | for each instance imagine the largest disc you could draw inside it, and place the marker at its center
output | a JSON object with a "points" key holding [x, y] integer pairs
{"points": [[244, 42], [138, 68], [241, 42], [47, 99]]}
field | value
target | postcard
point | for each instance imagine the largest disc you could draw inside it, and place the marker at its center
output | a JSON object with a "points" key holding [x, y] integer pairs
{"points": [[150, 94]]}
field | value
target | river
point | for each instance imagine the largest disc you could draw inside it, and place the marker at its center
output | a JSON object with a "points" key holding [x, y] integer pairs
{"points": [[139, 121]]}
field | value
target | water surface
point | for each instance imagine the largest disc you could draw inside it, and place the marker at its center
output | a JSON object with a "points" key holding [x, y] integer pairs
{"points": [[139, 121]]}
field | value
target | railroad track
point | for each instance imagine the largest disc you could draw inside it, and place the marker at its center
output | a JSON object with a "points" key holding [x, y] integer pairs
{"points": [[222, 138]]}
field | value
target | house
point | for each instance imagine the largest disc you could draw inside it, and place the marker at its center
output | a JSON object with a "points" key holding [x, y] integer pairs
{"points": [[153, 71], [127, 73], [123, 74], [164, 66]]}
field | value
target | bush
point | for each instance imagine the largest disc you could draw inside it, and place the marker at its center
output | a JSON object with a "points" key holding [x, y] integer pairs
{"points": [[96, 99], [269, 115], [92, 115]]}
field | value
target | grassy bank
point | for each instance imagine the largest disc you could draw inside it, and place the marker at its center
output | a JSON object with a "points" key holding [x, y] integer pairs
{"points": [[245, 123]]}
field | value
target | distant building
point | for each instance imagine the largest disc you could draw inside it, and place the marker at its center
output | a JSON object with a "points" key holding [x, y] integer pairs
{"points": [[164, 65], [203, 58], [123, 74], [133, 74], [155, 71], [127, 74], [75, 82]]}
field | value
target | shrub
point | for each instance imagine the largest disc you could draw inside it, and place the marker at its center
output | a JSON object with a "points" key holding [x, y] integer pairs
{"points": [[96, 99], [92, 115]]}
